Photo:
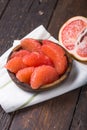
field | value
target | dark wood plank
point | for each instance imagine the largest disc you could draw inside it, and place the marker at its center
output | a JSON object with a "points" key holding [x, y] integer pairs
{"points": [[15, 24], [5, 119], [51, 114], [11, 20], [80, 117], [66, 10], [54, 114], [39, 13], [3, 6]]}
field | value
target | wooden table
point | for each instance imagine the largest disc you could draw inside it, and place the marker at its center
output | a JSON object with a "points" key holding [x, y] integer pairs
{"points": [[19, 17]]}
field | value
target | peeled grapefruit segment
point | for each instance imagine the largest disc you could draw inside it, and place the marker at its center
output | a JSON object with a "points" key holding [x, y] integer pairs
{"points": [[15, 64], [30, 44], [43, 75], [37, 59], [20, 53], [73, 37], [24, 75], [57, 55]]}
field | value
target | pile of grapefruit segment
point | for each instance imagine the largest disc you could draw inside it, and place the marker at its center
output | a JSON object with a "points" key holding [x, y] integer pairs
{"points": [[38, 62], [73, 37]]}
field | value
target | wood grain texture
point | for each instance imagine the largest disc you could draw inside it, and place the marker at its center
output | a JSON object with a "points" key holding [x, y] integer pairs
{"points": [[12, 21], [65, 10], [3, 6], [80, 116], [5, 119], [15, 24], [54, 114], [39, 13], [9, 24]]}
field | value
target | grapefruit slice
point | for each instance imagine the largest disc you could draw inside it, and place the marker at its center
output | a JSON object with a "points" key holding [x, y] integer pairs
{"points": [[24, 75], [15, 64], [37, 59], [30, 44], [73, 37], [20, 53], [57, 54], [40, 76]]}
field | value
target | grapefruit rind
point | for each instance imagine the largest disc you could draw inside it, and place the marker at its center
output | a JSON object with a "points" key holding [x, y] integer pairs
{"points": [[72, 52]]}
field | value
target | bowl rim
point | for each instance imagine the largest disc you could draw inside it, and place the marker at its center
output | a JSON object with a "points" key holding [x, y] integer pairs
{"points": [[26, 87]]}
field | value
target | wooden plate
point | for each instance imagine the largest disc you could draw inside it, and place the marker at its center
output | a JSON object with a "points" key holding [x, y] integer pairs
{"points": [[28, 88]]}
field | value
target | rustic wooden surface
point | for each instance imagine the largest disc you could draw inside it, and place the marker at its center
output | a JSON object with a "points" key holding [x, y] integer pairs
{"points": [[17, 18]]}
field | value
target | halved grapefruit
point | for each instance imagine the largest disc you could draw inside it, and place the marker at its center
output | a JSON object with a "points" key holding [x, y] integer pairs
{"points": [[73, 37]]}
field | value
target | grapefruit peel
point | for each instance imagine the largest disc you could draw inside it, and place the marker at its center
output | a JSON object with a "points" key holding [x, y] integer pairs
{"points": [[78, 49]]}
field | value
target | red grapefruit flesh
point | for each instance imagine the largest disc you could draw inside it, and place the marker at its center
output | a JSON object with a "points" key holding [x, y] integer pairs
{"points": [[38, 65], [82, 47], [61, 65], [20, 53], [57, 55], [43, 75], [36, 59], [15, 64], [55, 47], [73, 37], [24, 75], [30, 44]]}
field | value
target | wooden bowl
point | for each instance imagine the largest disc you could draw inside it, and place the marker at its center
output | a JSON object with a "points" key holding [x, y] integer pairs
{"points": [[28, 88]]}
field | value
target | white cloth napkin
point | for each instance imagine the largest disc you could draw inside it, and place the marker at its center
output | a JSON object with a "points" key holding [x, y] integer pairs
{"points": [[13, 98]]}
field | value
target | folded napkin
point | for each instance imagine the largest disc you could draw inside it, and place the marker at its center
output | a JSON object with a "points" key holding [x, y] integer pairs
{"points": [[13, 98]]}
